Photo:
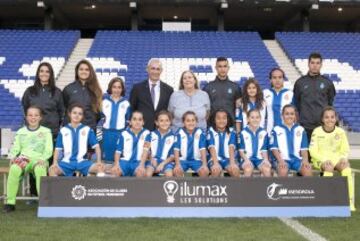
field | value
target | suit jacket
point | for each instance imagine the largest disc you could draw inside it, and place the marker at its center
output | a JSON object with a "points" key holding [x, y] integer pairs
{"points": [[140, 99]]}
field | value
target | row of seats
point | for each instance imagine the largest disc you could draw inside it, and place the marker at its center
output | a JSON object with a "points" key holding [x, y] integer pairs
{"points": [[21, 52]]}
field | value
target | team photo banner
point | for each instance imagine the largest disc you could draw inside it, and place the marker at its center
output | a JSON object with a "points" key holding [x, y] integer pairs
{"points": [[193, 197]]}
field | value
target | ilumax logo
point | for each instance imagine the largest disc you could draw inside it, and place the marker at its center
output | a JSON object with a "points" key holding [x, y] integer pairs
{"points": [[192, 193], [202, 190]]}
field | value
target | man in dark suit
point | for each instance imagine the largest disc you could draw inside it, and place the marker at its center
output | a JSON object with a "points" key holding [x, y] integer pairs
{"points": [[151, 95]]}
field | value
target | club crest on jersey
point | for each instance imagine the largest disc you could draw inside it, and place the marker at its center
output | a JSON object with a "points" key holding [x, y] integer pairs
{"points": [[286, 97], [337, 137], [298, 133], [322, 86], [197, 136], [229, 91], [40, 135], [83, 133], [168, 141]]}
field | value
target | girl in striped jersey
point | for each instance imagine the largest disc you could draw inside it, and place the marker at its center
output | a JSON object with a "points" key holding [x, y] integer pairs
{"points": [[161, 149], [276, 98], [254, 146], [190, 147], [222, 145], [252, 98], [329, 149], [289, 145], [133, 148], [116, 110]]}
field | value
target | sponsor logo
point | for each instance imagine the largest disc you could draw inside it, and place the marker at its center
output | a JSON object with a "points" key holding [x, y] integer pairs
{"points": [[78, 192], [188, 193], [277, 191]]}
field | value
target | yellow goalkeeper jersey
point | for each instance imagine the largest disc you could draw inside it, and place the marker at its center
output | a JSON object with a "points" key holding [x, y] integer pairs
{"points": [[329, 146]]}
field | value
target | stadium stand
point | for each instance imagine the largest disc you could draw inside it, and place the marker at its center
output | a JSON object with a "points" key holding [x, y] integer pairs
{"points": [[126, 54], [20, 54], [341, 63]]}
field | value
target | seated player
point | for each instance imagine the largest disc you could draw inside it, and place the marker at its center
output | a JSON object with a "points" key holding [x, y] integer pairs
{"points": [[190, 148], [73, 140], [161, 149], [133, 147], [222, 145], [329, 149], [30, 152], [289, 145], [254, 146]]}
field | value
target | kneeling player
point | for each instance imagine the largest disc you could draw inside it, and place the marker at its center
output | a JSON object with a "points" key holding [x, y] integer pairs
{"points": [[254, 146], [73, 140], [133, 147], [222, 145], [289, 145], [329, 149], [30, 153], [190, 148]]}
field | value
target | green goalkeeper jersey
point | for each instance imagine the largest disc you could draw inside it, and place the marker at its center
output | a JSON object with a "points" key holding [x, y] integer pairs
{"points": [[34, 144]]}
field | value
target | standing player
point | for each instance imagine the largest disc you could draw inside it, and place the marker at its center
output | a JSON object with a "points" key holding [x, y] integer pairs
{"points": [[74, 140], [190, 148], [276, 98], [254, 146], [222, 145], [133, 147], [116, 110], [289, 145], [252, 98], [162, 143], [30, 153], [329, 149]]}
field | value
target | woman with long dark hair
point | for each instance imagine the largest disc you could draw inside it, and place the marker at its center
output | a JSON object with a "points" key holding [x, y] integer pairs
{"points": [[86, 91], [47, 96]]}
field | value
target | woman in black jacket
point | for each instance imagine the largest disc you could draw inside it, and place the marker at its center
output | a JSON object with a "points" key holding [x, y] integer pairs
{"points": [[86, 91], [47, 96]]}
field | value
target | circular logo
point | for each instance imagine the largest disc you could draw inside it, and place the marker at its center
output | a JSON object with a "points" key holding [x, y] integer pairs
{"points": [[78, 192]]}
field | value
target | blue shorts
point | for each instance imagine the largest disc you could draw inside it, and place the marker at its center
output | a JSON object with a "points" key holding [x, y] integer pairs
{"points": [[128, 168], [294, 165], [69, 168], [224, 163], [255, 161], [168, 167], [108, 144], [191, 164]]}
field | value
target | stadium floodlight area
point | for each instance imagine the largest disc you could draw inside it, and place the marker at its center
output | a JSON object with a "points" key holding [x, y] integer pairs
{"points": [[341, 63], [20, 54]]}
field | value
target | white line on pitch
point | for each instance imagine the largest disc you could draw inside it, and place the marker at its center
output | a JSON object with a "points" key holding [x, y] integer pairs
{"points": [[305, 232]]}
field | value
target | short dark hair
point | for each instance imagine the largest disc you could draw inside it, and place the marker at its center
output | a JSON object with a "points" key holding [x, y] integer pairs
{"points": [[315, 55], [276, 69], [189, 113], [76, 105], [163, 112], [220, 59], [112, 82], [288, 106], [34, 107]]}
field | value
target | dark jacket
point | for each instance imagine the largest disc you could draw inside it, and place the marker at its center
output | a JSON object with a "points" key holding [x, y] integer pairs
{"points": [[311, 95], [140, 99], [75, 92], [223, 95], [52, 107]]}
